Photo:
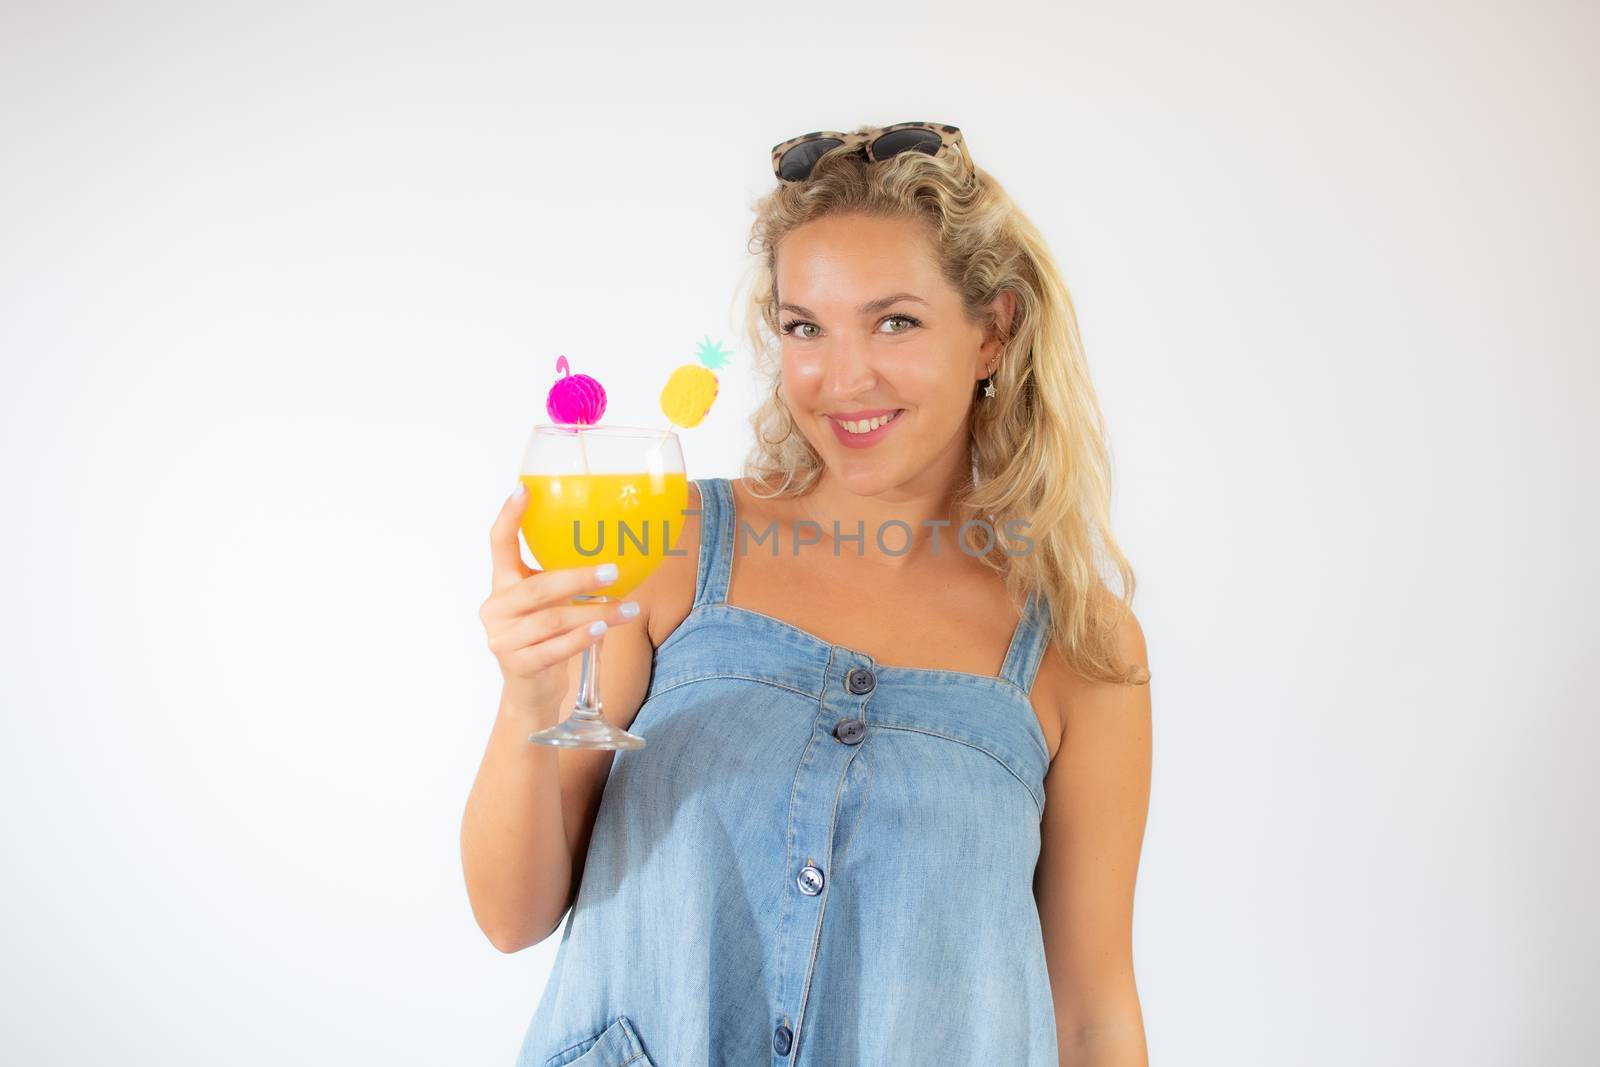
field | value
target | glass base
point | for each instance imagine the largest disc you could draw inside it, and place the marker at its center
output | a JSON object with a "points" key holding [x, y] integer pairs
{"points": [[579, 732]]}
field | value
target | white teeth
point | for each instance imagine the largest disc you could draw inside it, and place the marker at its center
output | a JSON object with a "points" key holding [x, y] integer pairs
{"points": [[867, 425]]}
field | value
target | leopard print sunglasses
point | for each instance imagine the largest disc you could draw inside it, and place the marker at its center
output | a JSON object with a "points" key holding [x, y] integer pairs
{"points": [[793, 159]]}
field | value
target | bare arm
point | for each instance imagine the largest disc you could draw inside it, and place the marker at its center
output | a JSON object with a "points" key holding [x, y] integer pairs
{"points": [[1097, 796], [531, 808]]}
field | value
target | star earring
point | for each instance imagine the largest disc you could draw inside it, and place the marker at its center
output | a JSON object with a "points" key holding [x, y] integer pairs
{"points": [[988, 383]]}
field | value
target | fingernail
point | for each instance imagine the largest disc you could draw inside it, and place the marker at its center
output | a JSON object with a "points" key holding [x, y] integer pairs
{"points": [[628, 609], [606, 572], [520, 491], [597, 627]]}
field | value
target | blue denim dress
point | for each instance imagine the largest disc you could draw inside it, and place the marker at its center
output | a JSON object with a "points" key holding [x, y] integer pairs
{"points": [[816, 859]]}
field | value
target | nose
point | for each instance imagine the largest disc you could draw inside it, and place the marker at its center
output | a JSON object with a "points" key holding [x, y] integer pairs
{"points": [[847, 372]]}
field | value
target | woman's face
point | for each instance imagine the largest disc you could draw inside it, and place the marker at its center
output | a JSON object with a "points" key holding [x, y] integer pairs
{"points": [[869, 328]]}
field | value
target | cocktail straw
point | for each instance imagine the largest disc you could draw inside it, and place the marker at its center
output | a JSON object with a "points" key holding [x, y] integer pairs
{"points": [[660, 443]]}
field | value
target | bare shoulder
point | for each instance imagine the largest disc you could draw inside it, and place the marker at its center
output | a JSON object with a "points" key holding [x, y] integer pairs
{"points": [[666, 597], [1073, 698]]}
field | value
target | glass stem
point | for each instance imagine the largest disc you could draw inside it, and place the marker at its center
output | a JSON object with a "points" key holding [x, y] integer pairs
{"points": [[588, 706]]}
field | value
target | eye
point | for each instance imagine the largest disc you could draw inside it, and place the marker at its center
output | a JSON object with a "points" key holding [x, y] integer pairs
{"points": [[792, 325]]}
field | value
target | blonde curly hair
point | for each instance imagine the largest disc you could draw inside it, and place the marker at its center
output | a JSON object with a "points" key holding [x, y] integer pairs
{"points": [[1038, 448]]}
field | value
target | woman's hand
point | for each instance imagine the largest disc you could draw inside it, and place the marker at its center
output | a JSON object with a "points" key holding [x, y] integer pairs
{"points": [[533, 631]]}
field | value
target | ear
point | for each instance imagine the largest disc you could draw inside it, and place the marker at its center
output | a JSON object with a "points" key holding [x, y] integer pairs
{"points": [[1004, 308]]}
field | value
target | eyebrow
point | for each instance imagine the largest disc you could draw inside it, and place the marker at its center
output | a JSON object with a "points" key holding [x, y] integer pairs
{"points": [[868, 308]]}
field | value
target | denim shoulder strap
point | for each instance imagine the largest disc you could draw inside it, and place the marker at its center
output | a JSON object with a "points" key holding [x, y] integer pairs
{"points": [[716, 541], [1028, 644]]}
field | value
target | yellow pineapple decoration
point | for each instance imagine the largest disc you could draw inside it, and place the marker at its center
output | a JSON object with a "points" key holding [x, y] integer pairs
{"points": [[688, 394]]}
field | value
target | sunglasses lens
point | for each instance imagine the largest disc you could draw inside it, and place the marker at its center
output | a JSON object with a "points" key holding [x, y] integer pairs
{"points": [[796, 163], [891, 144]]}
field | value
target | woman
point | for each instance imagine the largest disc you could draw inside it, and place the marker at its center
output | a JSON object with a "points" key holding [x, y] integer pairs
{"points": [[894, 792]]}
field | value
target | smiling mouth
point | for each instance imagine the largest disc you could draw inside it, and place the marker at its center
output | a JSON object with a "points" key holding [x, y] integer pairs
{"points": [[863, 426]]}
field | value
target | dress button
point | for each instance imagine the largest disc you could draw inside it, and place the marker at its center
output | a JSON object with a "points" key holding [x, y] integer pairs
{"points": [[850, 731], [859, 680], [782, 1037], [810, 880]]}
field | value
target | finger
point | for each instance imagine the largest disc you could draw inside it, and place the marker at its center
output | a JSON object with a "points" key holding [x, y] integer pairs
{"points": [[504, 552], [537, 657], [552, 622], [557, 586]]}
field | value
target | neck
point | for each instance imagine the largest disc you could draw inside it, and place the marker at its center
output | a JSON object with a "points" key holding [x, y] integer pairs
{"points": [[926, 500]]}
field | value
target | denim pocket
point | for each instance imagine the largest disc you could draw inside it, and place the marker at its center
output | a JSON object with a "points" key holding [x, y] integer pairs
{"points": [[615, 1046]]}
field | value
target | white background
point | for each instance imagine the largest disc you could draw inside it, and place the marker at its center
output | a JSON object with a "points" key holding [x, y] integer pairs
{"points": [[282, 288]]}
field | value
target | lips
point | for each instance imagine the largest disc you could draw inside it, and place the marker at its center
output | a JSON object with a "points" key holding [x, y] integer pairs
{"points": [[871, 437], [858, 416]]}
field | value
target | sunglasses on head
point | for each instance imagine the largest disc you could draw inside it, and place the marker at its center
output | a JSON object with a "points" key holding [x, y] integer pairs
{"points": [[793, 159]]}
